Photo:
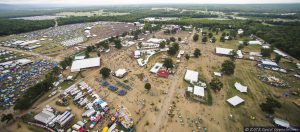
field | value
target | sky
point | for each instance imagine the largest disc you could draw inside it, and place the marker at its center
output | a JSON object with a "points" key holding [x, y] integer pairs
{"points": [[119, 2]]}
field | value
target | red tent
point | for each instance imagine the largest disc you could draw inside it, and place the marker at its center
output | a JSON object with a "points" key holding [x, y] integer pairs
{"points": [[163, 73], [81, 129]]}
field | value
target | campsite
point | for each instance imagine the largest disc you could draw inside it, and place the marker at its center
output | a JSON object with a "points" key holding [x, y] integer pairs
{"points": [[153, 74]]}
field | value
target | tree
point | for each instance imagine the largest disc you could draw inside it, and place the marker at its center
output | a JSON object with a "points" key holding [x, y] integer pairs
{"points": [[179, 39], [196, 37], [118, 44], [140, 44], [269, 105], [213, 40], [228, 67], [63, 64], [266, 52], [210, 35], [87, 55], [222, 39], [7, 117], [147, 86], [197, 52], [278, 58], [187, 56], [233, 54], [162, 44], [204, 39], [168, 63], [216, 84], [135, 37], [172, 51], [223, 34], [172, 39], [176, 46], [105, 72], [147, 26], [90, 48], [241, 46]]}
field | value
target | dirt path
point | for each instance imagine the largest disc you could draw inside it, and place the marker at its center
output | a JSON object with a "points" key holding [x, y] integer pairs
{"points": [[162, 118]]}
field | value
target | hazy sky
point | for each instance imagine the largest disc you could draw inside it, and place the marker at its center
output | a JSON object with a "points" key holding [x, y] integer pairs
{"points": [[105, 2]]}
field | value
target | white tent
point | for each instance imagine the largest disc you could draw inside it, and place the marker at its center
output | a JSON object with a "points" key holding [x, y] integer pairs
{"points": [[190, 89], [77, 65], [79, 57], [282, 123], [199, 91], [44, 117], [254, 43], [240, 87], [156, 67], [225, 51], [191, 76], [219, 74], [120, 72], [280, 53], [236, 100], [155, 40]]}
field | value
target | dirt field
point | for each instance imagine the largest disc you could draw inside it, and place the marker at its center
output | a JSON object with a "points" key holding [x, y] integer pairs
{"points": [[150, 109]]}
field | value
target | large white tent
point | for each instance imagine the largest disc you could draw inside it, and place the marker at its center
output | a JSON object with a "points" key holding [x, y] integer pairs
{"points": [[155, 40], [191, 76], [225, 51], [77, 65], [240, 87], [199, 91], [44, 117], [236, 100]]}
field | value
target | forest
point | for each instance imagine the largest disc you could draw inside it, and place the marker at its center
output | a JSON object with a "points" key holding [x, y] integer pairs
{"points": [[9, 26]]}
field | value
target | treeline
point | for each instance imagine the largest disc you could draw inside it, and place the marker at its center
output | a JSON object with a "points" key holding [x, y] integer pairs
{"points": [[269, 16], [8, 26], [33, 93], [283, 23]]}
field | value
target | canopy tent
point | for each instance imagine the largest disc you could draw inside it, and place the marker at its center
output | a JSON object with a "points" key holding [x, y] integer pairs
{"points": [[236, 100], [191, 76], [120, 72], [199, 91], [240, 87], [219, 74], [163, 73], [156, 67]]}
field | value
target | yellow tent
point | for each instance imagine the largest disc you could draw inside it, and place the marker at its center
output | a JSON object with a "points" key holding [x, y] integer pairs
{"points": [[105, 129]]}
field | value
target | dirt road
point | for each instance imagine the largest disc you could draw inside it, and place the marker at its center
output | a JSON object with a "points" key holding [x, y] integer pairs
{"points": [[162, 118], [29, 53]]}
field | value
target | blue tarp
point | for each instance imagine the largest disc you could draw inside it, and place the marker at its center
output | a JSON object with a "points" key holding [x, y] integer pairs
{"points": [[122, 92], [113, 88], [105, 83]]}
